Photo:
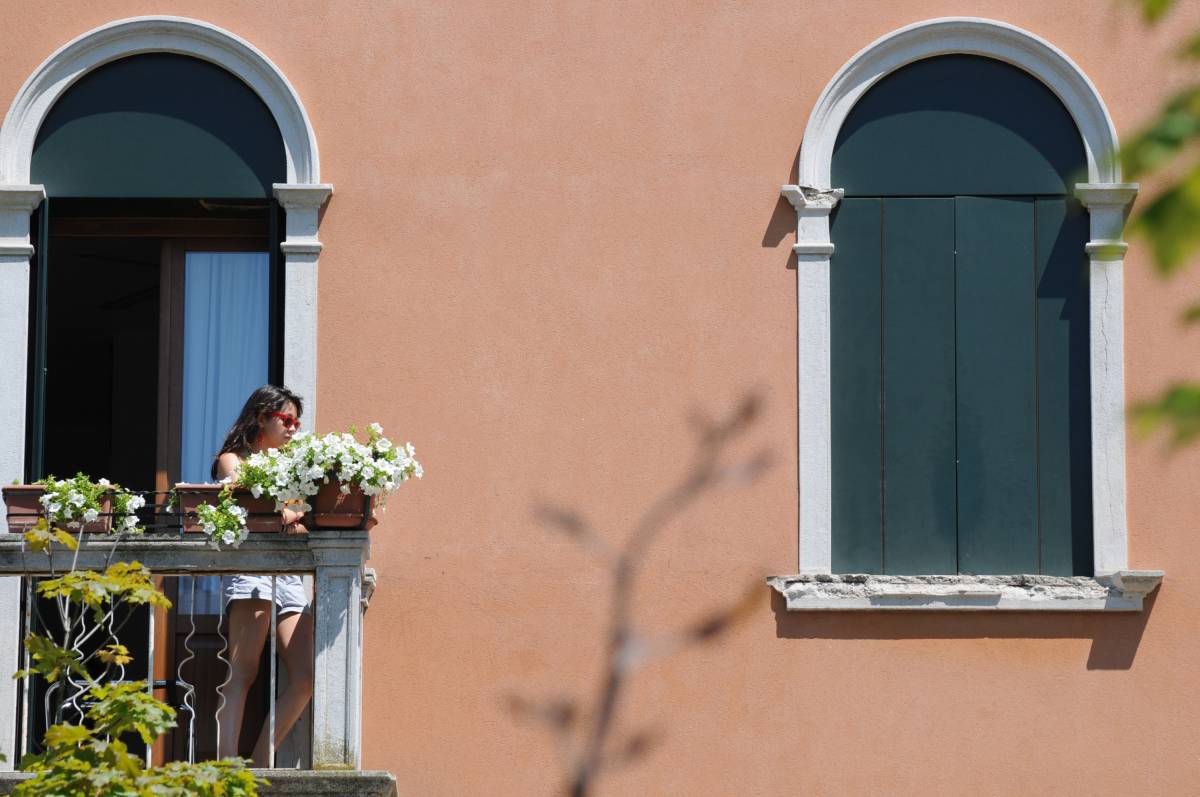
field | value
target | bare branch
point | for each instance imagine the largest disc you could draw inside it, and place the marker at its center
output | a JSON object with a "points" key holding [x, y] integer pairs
{"points": [[628, 650], [577, 528]]}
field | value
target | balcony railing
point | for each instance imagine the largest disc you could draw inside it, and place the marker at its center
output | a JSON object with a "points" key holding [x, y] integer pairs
{"points": [[341, 589]]}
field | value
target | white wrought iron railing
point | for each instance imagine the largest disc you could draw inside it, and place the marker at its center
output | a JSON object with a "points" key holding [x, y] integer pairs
{"points": [[341, 589]]}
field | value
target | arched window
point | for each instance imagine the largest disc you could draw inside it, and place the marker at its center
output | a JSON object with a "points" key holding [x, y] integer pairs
{"points": [[960, 331], [959, 327]]}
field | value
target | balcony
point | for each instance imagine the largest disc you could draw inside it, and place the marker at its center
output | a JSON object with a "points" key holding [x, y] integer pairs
{"points": [[342, 587]]}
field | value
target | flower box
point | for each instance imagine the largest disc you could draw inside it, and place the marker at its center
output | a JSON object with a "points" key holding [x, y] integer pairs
{"points": [[261, 514], [333, 509], [24, 509]]}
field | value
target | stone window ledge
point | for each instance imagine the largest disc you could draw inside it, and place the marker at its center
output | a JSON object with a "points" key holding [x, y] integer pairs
{"points": [[1122, 591]]}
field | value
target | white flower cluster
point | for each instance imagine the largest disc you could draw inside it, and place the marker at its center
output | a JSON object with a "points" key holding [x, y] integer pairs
{"points": [[295, 473], [225, 523], [73, 502]]}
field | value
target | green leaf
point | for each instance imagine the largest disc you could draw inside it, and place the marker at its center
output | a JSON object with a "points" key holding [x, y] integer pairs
{"points": [[1192, 314], [1153, 10], [1191, 48], [72, 735], [1178, 409], [51, 661], [1171, 222], [66, 538], [1177, 124], [127, 707], [114, 654], [38, 538], [130, 582]]}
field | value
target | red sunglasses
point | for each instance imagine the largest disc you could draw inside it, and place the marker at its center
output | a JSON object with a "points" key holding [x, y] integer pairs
{"points": [[289, 421]]}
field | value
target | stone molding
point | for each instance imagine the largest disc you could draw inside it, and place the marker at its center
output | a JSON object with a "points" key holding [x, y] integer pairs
{"points": [[1119, 592], [960, 35], [301, 247]]}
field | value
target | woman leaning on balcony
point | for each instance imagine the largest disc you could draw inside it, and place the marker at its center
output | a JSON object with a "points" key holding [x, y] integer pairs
{"points": [[268, 420]]}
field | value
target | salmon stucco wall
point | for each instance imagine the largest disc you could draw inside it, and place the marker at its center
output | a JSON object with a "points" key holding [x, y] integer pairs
{"points": [[556, 238]]}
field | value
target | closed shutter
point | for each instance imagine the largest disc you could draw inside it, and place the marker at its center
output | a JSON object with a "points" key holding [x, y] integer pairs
{"points": [[960, 386]]}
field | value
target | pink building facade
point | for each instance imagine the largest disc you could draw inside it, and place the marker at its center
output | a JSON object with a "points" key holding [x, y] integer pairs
{"points": [[541, 242]]}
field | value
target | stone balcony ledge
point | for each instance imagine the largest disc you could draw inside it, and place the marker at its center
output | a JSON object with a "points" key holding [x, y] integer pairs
{"points": [[290, 783], [1122, 591]]}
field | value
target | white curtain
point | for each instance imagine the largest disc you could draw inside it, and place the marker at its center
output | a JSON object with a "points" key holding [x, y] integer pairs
{"points": [[225, 351]]}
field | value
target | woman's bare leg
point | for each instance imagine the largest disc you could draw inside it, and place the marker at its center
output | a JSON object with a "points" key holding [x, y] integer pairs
{"points": [[249, 622], [295, 634]]}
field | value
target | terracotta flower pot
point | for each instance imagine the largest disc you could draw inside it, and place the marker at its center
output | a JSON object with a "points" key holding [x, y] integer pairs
{"points": [[25, 508], [333, 509], [261, 514]]}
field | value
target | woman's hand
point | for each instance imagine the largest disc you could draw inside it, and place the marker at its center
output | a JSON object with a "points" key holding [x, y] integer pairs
{"points": [[291, 521]]}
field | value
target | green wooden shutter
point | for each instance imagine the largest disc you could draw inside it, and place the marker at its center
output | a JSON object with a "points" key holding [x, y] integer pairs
{"points": [[918, 385], [960, 426], [996, 405], [856, 387]]}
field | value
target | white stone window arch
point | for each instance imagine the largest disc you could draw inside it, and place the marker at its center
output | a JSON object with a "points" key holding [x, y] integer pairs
{"points": [[1106, 198], [301, 198]]}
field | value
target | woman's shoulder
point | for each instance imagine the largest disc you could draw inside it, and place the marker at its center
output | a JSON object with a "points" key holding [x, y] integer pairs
{"points": [[227, 464]]}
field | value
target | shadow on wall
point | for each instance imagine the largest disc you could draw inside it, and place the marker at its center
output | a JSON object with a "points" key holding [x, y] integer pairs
{"points": [[783, 219], [585, 729], [1115, 637]]}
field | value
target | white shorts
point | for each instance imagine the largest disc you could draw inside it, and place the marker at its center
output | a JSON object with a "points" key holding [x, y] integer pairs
{"points": [[290, 594]]}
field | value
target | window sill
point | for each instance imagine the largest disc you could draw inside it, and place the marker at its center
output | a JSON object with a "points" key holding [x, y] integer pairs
{"points": [[1122, 591]]}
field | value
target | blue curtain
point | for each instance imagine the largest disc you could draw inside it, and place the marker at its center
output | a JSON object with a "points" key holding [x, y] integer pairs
{"points": [[225, 350]]}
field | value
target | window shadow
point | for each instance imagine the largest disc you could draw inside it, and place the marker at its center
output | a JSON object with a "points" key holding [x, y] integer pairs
{"points": [[1115, 636], [782, 221]]}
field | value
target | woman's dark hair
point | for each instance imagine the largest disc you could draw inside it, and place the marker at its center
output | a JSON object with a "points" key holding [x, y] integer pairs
{"points": [[245, 430]]}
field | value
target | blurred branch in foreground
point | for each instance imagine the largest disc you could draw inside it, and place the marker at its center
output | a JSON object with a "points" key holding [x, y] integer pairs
{"points": [[583, 736]]}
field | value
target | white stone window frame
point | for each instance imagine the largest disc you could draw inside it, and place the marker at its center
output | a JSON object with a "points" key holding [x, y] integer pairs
{"points": [[1106, 197], [301, 198]]}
